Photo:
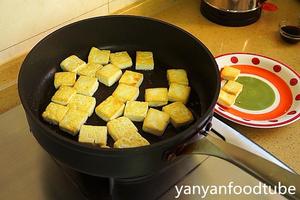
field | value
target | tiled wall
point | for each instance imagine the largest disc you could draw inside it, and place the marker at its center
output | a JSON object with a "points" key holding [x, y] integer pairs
{"points": [[24, 22]]}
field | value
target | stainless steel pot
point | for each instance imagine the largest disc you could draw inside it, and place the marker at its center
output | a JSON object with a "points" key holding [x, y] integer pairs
{"points": [[235, 5], [232, 12]]}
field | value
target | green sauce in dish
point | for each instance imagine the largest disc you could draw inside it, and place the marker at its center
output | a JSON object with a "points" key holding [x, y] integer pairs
{"points": [[256, 94]]}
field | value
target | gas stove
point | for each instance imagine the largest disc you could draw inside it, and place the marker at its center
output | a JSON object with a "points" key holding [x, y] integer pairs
{"points": [[146, 188], [28, 172]]}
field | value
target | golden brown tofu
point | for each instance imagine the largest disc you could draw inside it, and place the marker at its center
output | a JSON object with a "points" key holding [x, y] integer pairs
{"points": [[109, 74], [132, 78], [72, 121], [130, 142], [54, 113], [63, 95], [233, 87], [136, 110], [144, 60], [64, 78], [180, 115], [126, 92], [86, 85], [230, 73], [156, 122], [89, 69], [72, 64], [177, 76], [156, 96], [226, 99], [83, 103], [98, 56], [121, 59], [93, 134], [121, 127], [178, 92], [110, 108], [105, 146]]}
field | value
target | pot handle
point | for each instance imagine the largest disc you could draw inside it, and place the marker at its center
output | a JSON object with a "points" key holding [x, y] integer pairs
{"points": [[260, 168]]}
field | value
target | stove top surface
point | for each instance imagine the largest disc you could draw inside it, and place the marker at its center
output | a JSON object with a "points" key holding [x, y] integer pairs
{"points": [[28, 172]]}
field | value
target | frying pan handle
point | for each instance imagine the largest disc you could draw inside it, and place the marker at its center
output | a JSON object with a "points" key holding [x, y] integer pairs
{"points": [[257, 166]]}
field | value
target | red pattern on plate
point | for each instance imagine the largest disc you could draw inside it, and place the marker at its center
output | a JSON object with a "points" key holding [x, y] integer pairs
{"points": [[292, 112], [293, 81], [254, 124], [297, 98], [277, 68], [255, 61], [234, 59], [269, 7], [221, 108], [286, 97], [278, 124], [273, 120]]}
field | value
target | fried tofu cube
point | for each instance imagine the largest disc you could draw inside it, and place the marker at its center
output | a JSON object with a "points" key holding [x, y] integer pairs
{"points": [[86, 85], [178, 92], [156, 96], [180, 115], [89, 69], [110, 108], [93, 134], [144, 60], [223, 82], [177, 76], [98, 56], [72, 121], [132, 78], [72, 64], [233, 87], [83, 103], [63, 95], [230, 73], [226, 99], [121, 59], [109, 74], [126, 92], [54, 113], [156, 122], [121, 127], [64, 78], [130, 142], [136, 110]]}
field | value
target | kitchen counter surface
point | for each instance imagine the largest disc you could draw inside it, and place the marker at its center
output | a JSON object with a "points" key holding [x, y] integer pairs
{"points": [[261, 37]]}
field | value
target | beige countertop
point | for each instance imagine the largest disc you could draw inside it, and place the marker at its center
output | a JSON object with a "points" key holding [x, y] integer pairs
{"points": [[261, 37]]}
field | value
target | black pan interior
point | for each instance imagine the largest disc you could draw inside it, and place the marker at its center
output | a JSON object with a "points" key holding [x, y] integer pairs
{"points": [[171, 49], [152, 79]]}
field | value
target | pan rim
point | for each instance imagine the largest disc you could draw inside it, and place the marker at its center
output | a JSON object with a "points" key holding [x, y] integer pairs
{"points": [[60, 138]]}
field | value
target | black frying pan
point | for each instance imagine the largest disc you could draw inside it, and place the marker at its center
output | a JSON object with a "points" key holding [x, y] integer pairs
{"points": [[172, 48]]}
